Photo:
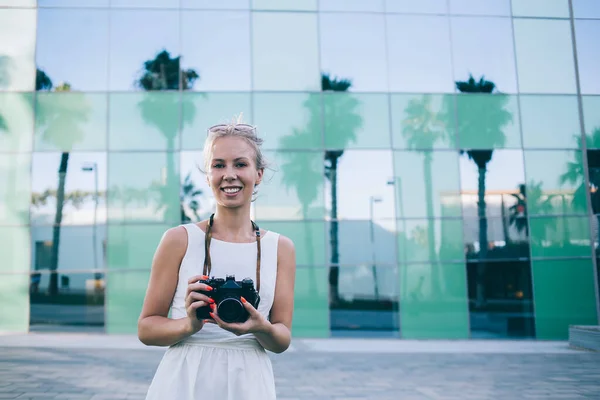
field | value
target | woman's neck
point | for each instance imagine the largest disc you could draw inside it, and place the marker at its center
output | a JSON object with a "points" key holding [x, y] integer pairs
{"points": [[233, 224]]}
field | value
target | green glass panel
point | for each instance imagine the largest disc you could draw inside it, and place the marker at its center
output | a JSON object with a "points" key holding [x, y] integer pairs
{"points": [[15, 190], [285, 51], [555, 187], [203, 110], [305, 5], [143, 187], [125, 292], [560, 236], [540, 8], [591, 120], [17, 49], [356, 121], [488, 121], [363, 242], [416, 7], [16, 122], [423, 121], [144, 121], [564, 295], [427, 184], [308, 238], [295, 190], [15, 249], [133, 246], [433, 301], [289, 120], [550, 121], [414, 237], [311, 303], [14, 303], [544, 50], [587, 32], [70, 121]]}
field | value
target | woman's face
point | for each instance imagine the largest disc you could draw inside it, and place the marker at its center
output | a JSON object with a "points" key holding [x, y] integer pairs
{"points": [[232, 172]]}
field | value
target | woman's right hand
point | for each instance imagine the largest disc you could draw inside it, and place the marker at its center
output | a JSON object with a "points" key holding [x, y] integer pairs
{"points": [[195, 300]]}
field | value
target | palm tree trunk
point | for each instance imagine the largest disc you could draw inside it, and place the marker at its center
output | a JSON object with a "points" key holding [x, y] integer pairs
{"points": [[504, 224], [483, 237], [60, 200], [171, 212], [433, 259], [334, 269]]}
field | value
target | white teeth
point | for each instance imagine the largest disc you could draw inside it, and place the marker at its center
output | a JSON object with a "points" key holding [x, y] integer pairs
{"points": [[231, 190]]}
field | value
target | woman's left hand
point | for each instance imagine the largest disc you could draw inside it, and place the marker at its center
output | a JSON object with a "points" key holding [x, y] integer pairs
{"points": [[256, 322]]}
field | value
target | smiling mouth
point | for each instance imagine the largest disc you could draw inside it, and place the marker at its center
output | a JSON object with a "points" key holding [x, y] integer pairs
{"points": [[231, 190]]}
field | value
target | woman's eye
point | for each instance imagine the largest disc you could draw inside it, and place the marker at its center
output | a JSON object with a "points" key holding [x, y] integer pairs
{"points": [[218, 166], [241, 165]]}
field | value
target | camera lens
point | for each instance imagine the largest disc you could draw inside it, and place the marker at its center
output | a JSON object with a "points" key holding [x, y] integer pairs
{"points": [[231, 309]]}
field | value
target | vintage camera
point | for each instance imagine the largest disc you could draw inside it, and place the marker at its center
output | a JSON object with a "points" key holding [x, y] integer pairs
{"points": [[227, 293]]}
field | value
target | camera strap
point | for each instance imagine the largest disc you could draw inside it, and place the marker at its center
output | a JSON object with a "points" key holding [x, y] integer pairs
{"points": [[207, 259]]}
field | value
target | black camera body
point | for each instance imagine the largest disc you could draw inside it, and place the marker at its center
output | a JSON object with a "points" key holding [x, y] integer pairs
{"points": [[227, 293]]}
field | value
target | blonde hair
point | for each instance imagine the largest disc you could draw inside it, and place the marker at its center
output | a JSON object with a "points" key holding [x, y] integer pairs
{"points": [[235, 129]]}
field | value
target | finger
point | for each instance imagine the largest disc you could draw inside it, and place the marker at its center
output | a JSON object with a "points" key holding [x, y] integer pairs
{"points": [[194, 287], [249, 307], [200, 296], [196, 305], [209, 321], [197, 278]]}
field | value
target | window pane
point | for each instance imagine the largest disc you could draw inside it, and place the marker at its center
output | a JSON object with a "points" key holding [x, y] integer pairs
{"points": [[15, 250], [422, 6], [368, 302], [311, 303], [478, 7], [14, 291], [352, 5], [308, 238], [70, 121], [415, 235], [145, 4], [15, 190], [500, 299], [488, 121], [433, 302], [80, 35], [79, 301], [16, 122], [369, 242], [499, 174], [83, 172], [133, 246], [18, 3], [203, 110], [541, 8], [221, 5], [134, 40], [550, 121], [204, 35], [17, 49], [285, 51], [423, 121], [289, 120], [591, 118], [197, 200], [593, 164], [555, 187], [343, 36], [419, 56], [124, 299], [356, 120], [586, 9], [556, 308], [71, 3], [560, 237], [507, 237], [308, 5], [427, 184], [295, 190], [144, 121], [148, 192], [372, 171], [544, 56], [588, 55], [483, 47]]}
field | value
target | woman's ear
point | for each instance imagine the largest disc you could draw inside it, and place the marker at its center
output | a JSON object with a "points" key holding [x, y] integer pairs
{"points": [[260, 176]]}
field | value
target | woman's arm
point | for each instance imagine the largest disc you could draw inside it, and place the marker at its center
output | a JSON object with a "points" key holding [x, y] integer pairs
{"points": [[277, 335], [154, 326]]}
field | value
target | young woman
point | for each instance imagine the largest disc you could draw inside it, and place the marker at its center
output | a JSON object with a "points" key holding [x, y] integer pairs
{"points": [[209, 358]]}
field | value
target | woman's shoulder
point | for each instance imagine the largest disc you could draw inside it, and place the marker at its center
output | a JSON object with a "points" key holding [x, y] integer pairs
{"points": [[284, 244]]}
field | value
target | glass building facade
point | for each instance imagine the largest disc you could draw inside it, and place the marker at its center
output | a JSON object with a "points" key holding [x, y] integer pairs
{"points": [[436, 162]]}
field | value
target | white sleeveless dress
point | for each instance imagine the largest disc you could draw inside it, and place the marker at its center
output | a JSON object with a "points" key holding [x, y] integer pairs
{"points": [[215, 363]]}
